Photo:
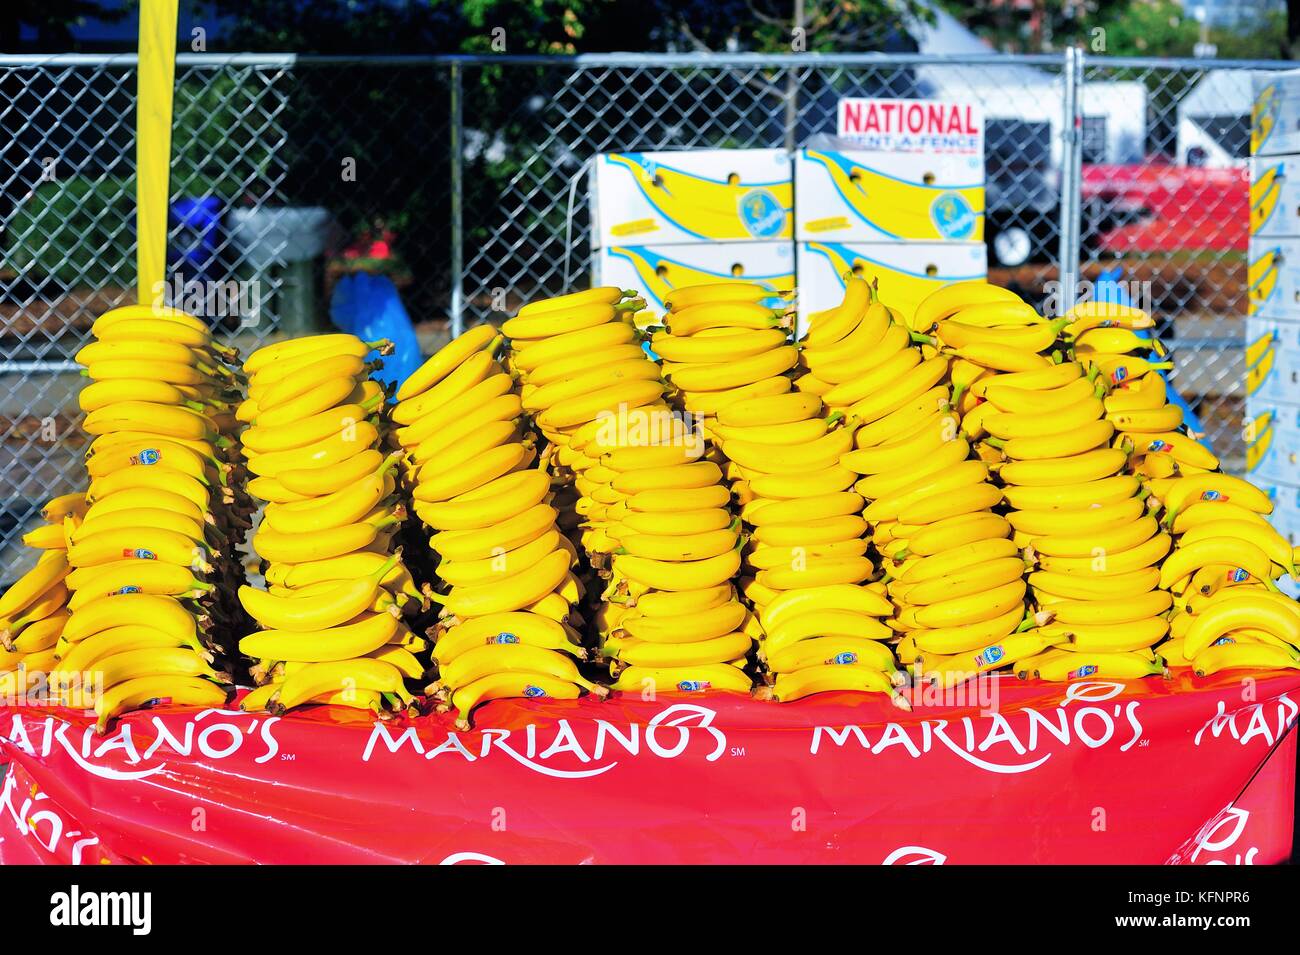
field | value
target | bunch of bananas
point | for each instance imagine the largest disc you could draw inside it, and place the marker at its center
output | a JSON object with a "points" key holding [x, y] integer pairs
{"points": [[33, 613], [481, 488], [655, 518], [153, 557], [1228, 612], [331, 616]]}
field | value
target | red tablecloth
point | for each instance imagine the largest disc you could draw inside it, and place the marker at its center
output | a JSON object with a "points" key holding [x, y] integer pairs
{"points": [[1152, 771]]}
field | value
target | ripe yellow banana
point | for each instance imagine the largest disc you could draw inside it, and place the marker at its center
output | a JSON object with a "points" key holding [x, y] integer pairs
{"points": [[831, 677], [446, 360], [817, 572], [678, 575], [178, 690], [957, 531], [1234, 611], [1068, 498], [510, 684], [514, 592], [1241, 655], [482, 542], [1105, 563], [342, 676], [696, 318], [1186, 491], [736, 373], [1073, 469], [496, 658], [1231, 552], [1121, 536], [946, 641], [642, 653], [965, 610], [679, 547], [725, 618]]}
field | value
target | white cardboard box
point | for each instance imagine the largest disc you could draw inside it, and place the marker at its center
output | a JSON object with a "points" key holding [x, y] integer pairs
{"points": [[725, 195], [1273, 279], [1272, 356], [906, 271], [1272, 442], [872, 196], [1275, 196], [656, 271], [1275, 114]]}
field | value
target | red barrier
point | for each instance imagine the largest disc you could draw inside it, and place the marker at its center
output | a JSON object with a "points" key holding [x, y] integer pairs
{"points": [[1182, 771]]}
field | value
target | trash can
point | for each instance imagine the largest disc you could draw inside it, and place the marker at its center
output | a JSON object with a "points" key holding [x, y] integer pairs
{"points": [[280, 248]]}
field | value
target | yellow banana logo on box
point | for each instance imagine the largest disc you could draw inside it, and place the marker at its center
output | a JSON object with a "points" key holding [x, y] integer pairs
{"points": [[1264, 194], [708, 208], [903, 288], [905, 210], [1261, 279], [1263, 116], [658, 275]]}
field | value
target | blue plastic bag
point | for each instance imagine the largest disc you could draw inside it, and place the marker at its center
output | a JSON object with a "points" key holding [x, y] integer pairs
{"points": [[370, 307]]}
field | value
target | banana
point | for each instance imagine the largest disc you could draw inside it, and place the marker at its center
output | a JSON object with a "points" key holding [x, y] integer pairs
{"points": [[680, 523], [519, 627], [1230, 656], [483, 542], [636, 458], [642, 653], [1040, 379], [834, 651], [301, 548], [956, 478], [507, 685], [656, 574], [1238, 611], [357, 637], [1084, 587], [852, 365], [178, 690], [900, 392], [1063, 444], [1073, 498], [833, 324], [1204, 512], [973, 579], [327, 608], [827, 678], [947, 641], [51, 568], [1072, 469], [679, 547], [734, 373], [110, 671], [813, 456], [330, 451], [308, 377], [806, 484], [473, 371], [47, 537], [712, 402], [446, 360], [689, 627], [155, 477], [868, 382], [1218, 488], [1104, 563], [1120, 536], [140, 517], [1231, 552], [142, 543], [791, 433], [342, 676], [943, 458], [604, 401], [513, 592], [491, 503], [572, 365], [950, 299], [679, 499], [942, 505], [696, 318], [496, 658], [1125, 636], [827, 530], [676, 603], [294, 349], [969, 609], [160, 419], [144, 329], [957, 531], [1041, 424], [1262, 535], [902, 420], [590, 379], [1097, 612], [836, 504], [1180, 447], [118, 369], [955, 333], [694, 475], [1096, 314], [929, 435], [571, 344], [545, 325], [817, 572], [505, 564]]}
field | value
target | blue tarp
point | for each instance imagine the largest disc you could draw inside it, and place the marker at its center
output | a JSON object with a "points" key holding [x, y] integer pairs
{"points": [[370, 307]]}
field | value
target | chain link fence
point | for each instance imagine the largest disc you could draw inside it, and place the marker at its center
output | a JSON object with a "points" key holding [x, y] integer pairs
{"points": [[463, 178]]}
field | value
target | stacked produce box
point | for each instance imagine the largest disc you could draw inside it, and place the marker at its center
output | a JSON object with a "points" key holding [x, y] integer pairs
{"points": [[897, 198], [1272, 427], [663, 221]]}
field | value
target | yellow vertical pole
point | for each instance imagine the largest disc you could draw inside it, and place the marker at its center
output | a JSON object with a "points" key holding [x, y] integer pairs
{"points": [[156, 78]]}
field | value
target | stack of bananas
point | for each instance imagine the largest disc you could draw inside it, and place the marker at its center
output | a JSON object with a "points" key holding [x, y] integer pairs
{"points": [[1228, 612], [805, 561], [34, 610], [506, 568], [335, 592], [1039, 420], [655, 511], [154, 563], [721, 344], [955, 579]]}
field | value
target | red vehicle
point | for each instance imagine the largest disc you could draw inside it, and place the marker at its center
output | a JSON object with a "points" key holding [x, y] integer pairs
{"points": [[1161, 207]]}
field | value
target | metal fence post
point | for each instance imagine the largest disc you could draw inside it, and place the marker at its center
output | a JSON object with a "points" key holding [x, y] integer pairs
{"points": [[1071, 176], [457, 223]]}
